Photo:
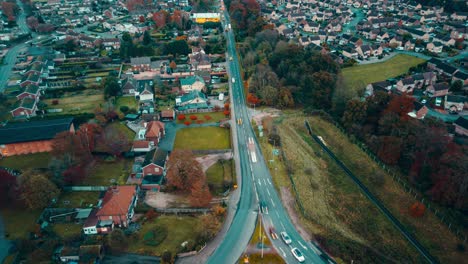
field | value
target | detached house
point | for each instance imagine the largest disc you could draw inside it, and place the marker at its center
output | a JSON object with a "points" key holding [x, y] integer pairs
{"points": [[192, 83], [438, 89], [118, 205], [154, 131], [455, 103], [155, 163], [406, 85], [192, 101]]}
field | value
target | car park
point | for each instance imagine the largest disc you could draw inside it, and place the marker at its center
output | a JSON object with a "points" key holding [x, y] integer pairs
{"points": [[286, 238], [298, 254]]}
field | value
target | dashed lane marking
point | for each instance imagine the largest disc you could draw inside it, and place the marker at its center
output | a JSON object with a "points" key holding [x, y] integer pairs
{"points": [[273, 203]]}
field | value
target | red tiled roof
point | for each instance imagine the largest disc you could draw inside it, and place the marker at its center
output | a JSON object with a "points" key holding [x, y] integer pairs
{"points": [[153, 128], [117, 200], [141, 144], [167, 113]]}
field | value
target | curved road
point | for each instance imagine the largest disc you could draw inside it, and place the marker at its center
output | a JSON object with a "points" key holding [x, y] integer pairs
{"points": [[256, 188]]}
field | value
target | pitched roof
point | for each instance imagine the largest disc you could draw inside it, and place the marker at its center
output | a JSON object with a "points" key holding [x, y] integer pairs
{"points": [[156, 156], [167, 113], [141, 144], [456, 99], [154, 128], [192, 95], [31, 89], [140, 60], [117, 200], [34, 130], [191, 80], [461, 121]]}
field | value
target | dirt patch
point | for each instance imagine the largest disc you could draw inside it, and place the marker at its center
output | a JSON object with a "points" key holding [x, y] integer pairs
{"points": [[260, 114], [209, 160], [288, 202], [165, 200]]}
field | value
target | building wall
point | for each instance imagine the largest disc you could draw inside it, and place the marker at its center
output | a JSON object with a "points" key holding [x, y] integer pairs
{"points": [[152, 169]]}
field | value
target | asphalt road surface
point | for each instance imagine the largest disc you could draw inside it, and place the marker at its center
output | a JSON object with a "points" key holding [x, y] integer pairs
{"points": [[257, 187]]}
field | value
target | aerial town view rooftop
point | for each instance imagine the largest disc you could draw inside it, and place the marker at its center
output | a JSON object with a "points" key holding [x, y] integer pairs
{"points": [[235, 131]]}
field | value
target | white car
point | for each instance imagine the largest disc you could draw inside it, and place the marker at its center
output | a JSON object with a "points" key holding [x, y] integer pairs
{"points": [[286, 238], [298, 255]]}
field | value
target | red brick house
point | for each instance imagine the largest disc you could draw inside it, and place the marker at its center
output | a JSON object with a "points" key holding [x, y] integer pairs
{"points": [[118, 205], [30, 91], [26, 107], [154, 131], [154, 169], [31, 137]]}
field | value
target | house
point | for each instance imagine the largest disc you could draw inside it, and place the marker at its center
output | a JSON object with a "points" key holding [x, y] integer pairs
{"points": [[420, 111], [192, 101], [435, 47], [154, 131], [364, 50], [441, 67], [118, 205], [31, 78], [90, 226], [111, 43], [406, 85], [142, 146], [140, 64], [455, 103], [429, 78], [154, 169], [68, 254], [461, 126], [192, 83], [129, 86], [460, 76], [384, 86], [144, 90], [29, 91], [26, 107], [350, 52], [31, 137], [167, 115], [438, 89]]}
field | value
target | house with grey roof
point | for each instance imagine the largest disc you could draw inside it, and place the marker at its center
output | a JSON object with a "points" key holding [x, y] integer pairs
{"points": [[192, 101]]}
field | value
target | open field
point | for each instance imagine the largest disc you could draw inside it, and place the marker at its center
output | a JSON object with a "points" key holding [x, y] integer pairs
{"points": [[213, 117], [123, 130], [201, 138], [19, 222], [345, 223], [30, 161], [434, 235], [79, 199], [104, 173], [129, 101], [77, 103], [357, 77], [179, 229], [68, 230]]}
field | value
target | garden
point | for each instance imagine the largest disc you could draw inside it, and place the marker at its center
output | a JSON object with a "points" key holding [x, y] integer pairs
{"points": [[203, 138]]}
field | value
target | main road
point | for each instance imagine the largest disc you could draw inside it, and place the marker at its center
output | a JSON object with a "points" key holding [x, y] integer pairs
{"points": [[257, 187]]}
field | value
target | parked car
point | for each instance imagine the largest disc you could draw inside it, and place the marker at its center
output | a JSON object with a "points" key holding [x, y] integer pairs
{"points": [[286, 238], [298, 254], [273, 233]]}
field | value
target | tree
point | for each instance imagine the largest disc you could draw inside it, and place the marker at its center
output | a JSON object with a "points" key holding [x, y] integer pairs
{"points": [[227, 113], [173, 65], [187, 123], [226, 106], [8, 187], [37, 191], [401, 105], [193, 117], [134, 4], [211, 226], [147, 40], [117, 241], [166, 257], [355, 113], [114, 140], [9, 10], [456, 86], [252, 99], [177, 18], [160, 18], [177, 47], [111, 87], [200, 195], [183, 170], [74, 174], [390, 149]]}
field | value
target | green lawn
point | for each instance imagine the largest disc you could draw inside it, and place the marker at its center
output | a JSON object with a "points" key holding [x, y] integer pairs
{"points": [[180, 229], [123, 128], [215, 179], [202, 138], [212, 117], [357, 77], [75, 199], [104, 171], [129, 101], [73, 104], [19, 222], [30, 161], [67, 230]]}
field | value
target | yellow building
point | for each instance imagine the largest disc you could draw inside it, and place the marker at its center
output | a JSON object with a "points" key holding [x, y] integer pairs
{"points": [[201, 18]]}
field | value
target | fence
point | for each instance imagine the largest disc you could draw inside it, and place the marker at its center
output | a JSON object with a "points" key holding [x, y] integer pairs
{"points": [[396, 175], [211, 151], [183, 210], [85, 188], [374, 200]]}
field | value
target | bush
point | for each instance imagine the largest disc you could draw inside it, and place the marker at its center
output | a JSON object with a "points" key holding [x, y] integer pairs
{"points": [[156, 236], [55, 102], [207, 117], [187, 123], [192, 117], [124, 109], [199, 121], [181, 117], [227, 112]]}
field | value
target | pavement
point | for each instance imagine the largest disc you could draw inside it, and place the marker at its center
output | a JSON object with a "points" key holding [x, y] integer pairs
{"points": [[256, 188]]}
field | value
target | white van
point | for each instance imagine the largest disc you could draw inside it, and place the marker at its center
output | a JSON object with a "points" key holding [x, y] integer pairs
{"points": [[233, 80]]}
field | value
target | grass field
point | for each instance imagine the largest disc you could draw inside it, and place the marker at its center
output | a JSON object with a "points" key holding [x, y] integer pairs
{"points": [[213, 117], [129, 101], [180, 229], [216, 176], [30, 161], [202, 138], [428, 229], [77, 103], [77, 199], [346, 223], [357, 77], [104, 172], [19, 222], [68, 230]]}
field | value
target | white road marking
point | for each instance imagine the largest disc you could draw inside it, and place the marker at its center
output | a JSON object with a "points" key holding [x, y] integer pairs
{"points": [[256, 194], [268, 192], [272, 202], [304, 247], [282, 251], [277, 213], [264, 181], [282, 225], [259, 182], [269, 181]]}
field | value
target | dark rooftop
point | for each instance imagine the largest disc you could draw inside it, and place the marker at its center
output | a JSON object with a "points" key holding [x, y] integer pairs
{"points": [[34, 130]]}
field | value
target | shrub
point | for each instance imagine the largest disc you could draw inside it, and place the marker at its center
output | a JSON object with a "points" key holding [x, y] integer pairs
{"points": [[417, 209], [55, 102], [150, 215], [192, 117], [156, 236], [207, 117], [226, 106], [181, 117], [124, 109], [227, 112], [187, 123], [199, 121]]}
